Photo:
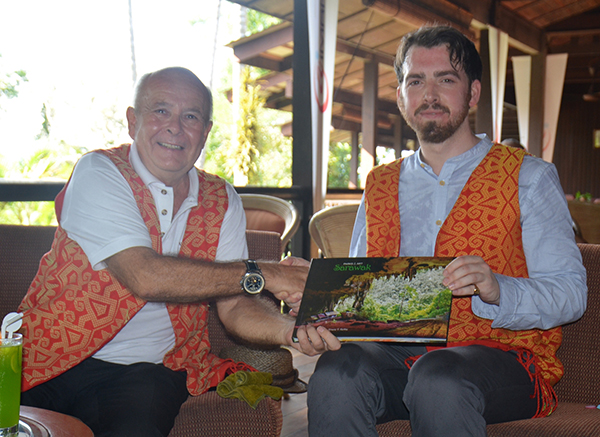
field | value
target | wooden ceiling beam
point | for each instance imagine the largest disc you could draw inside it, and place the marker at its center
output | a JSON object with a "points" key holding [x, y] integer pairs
{"points": [[355, 99], [522, 33], [276, 79], [424, 11], [264, 62], [463, 13], [348, 48], [264, 41]]}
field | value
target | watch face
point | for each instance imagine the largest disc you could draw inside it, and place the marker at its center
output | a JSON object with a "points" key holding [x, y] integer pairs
{"points": [[253, 283]]}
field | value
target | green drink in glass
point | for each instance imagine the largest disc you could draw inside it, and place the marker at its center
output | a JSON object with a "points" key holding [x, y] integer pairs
{"points": [[10, 384]]}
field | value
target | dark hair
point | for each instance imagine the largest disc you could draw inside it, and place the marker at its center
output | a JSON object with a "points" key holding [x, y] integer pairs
{"points": [[461, 49]]}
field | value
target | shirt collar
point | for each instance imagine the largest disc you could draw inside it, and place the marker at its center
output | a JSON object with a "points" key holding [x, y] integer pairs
{"points": [[475, 153], [150, 180]]}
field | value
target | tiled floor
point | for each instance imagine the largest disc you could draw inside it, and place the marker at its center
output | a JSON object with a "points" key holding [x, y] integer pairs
{"points": [[294, 408]]}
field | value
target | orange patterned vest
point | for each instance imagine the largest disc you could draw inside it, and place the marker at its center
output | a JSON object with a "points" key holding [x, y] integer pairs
{"points": [[485, 221], [71, 311]]}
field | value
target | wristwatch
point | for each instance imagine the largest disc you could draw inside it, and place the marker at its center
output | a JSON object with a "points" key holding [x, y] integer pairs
{"points": [[253, 281]]}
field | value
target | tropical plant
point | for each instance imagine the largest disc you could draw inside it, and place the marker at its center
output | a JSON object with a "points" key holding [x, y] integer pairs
{"points": [[47, 163], [338, 174], [243, 155], [9, 83]]}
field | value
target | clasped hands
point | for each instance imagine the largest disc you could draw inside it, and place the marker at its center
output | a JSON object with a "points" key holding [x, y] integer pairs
{"points": [[311, 341]]}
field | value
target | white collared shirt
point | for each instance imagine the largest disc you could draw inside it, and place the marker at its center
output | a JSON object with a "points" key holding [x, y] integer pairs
{"points": [[101, 215], [555, 292]]}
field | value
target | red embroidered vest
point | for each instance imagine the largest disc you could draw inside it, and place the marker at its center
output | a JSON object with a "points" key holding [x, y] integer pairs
{"points": [[71, 311], [484, 222]]}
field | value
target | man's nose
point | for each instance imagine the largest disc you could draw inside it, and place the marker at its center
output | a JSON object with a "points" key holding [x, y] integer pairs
{"points": [[175, 126], [430, 94]]}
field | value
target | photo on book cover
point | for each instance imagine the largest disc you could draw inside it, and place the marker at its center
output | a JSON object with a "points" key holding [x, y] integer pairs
{"points": [[378, 299]]}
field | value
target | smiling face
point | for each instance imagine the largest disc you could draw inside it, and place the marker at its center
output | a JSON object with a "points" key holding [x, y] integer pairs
{"points": [[434, 97], [170, 123]]}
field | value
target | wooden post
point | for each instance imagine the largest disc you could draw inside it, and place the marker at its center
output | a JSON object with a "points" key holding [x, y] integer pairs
{"points": [[483, 119], [369, 119], [536, 104], [302, 159]]}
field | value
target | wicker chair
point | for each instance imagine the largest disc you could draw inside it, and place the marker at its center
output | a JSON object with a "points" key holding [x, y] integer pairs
{"points": [[580, 354], [331, 228], [21, 248], [270, 213]]}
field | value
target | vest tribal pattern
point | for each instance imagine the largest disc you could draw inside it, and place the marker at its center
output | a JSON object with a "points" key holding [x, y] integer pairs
{"points": [[71, 311], [485, 221]]}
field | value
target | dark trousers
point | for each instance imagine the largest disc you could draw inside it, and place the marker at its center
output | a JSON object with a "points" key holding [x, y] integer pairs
{"points": [[448, 392], [141, 399]]}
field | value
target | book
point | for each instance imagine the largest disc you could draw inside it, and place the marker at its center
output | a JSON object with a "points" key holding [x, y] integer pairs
{"points": [[378, 299]]}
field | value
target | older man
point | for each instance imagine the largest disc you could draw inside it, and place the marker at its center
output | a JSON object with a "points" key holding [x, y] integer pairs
{"points": [[115, 321], [517, 275]]}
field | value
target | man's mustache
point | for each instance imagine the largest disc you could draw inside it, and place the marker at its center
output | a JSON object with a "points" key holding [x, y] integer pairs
{"points": [[435, 107]]}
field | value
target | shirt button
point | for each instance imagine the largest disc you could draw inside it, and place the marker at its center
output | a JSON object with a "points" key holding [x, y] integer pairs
{"points": [[422, 165], [442, 183], [438, 222], [163, 191], [164, 212]]}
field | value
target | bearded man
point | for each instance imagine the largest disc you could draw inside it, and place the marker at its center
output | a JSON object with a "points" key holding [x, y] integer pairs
{"points": [[516, 278]]}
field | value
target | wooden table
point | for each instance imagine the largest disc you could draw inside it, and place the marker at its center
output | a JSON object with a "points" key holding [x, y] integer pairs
{"points": [[46, 423], [587, 216]]}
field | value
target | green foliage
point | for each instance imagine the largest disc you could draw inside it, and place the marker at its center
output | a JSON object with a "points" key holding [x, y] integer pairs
{"points": [[338, 174], [243, 157], [46, 163], [397, 297], [9, 82], [260, 153], [257, 21], [583, 197], [45, 131], [274, 166]]}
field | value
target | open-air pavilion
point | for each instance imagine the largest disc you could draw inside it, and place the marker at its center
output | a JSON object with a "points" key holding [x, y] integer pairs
{"points": [[364, 110]]}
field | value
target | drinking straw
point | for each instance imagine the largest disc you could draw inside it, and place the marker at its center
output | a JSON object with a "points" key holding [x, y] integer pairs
{"points": [[11, 323]]}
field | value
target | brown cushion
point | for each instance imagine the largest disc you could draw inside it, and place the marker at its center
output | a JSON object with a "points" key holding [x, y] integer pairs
{"points": [[210, 415], [262, 220], [569, 419]]}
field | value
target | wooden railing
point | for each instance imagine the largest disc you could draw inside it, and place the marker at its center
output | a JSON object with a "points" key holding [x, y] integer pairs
{"points": [[46, 191]]}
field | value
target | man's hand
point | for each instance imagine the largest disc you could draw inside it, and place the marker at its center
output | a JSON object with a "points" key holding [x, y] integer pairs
{"points": [[314, 341], [467, 274], [292, 273]]}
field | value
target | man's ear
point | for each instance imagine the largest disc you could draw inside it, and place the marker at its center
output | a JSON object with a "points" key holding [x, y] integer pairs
{"points": [[475, 93], [131, 120], [207, 130]]}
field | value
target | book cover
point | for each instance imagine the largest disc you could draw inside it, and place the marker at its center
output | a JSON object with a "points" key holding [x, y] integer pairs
{"points": [[378, 299]]}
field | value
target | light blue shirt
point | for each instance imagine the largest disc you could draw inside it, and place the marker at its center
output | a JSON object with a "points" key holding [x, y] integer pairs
{"points": [[555, 292]]}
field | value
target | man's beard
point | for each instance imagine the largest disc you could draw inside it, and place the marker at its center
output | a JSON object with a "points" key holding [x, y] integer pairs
{"points": [[432, 131]]}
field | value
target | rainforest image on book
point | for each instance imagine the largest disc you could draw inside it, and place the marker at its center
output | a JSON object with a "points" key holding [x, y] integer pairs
{"points": [[378, 299]]}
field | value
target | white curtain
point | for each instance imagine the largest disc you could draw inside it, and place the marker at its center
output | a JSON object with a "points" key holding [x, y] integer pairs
{"points": [[556, 66], [322, 31], [498, 45]]}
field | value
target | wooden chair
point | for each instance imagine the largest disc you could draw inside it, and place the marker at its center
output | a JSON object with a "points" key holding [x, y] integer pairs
{"points": [[331, 228], [21, 248]]}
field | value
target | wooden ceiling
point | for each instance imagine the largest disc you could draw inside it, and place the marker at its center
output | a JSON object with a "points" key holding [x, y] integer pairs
{"points": [[371, 30]]}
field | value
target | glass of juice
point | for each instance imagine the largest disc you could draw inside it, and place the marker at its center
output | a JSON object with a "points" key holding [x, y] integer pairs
{"points": [[10, 384]]}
